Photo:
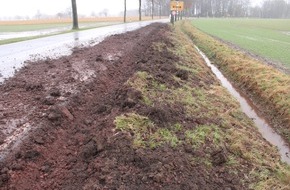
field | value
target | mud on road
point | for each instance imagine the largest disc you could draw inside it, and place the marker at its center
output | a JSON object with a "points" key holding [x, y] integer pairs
{"points": [[53, 110], [58, 122]]}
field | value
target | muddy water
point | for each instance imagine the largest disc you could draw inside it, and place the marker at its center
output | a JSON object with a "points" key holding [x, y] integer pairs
{"points": [[247, 107]]}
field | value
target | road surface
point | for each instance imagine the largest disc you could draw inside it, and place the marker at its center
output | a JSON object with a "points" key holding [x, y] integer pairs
{"points": [[13, 56]]}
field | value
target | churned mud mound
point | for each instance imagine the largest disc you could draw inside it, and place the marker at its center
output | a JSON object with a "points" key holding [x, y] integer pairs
{"points": [[55, 119], [58, 122]]}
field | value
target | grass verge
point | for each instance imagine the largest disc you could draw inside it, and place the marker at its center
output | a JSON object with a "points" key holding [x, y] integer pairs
{"points": [[198, 116], [14, 40], [269, 88]]}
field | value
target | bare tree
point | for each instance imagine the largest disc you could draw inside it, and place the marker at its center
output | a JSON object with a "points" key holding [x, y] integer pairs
{"points": [[104, 13], [221, 8], [152, 13], [75, 15], [163, 7], [125, 10], [160, 6], [140, 13], [275, 9], [38, 15]]}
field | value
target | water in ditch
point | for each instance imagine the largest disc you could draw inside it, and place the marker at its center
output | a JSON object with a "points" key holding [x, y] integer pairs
{"points": [[263, 127]]}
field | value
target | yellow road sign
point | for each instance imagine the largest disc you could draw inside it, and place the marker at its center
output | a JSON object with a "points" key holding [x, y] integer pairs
{"points": [[176, 5]]}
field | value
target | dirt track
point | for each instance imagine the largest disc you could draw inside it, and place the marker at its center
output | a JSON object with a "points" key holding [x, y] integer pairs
{"points": [[63, 112]]}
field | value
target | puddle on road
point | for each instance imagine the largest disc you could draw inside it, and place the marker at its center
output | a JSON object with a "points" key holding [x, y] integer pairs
{"points": [[263, 127]]}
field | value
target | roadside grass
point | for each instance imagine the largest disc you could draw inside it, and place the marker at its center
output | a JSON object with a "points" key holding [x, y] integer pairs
{"points": [[268, 87], [145, 131], [14, 40], [31, 27], [224, 127], [269, 38], [63, 24], [198, 136], [44, 26]]}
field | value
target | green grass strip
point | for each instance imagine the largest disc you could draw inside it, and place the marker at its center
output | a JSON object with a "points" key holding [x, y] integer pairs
{"points": [[269, 87], [268, 38]]}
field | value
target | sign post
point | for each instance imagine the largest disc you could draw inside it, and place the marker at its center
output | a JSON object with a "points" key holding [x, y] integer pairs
{"points": [[177, 6]]}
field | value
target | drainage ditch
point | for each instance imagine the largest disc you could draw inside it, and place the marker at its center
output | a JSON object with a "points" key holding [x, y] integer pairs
{"points": [[248, 108]]}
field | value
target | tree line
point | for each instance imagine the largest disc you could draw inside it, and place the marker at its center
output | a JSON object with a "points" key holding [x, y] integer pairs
{"points": [[208, 8], [222, 8], [273, 9]]}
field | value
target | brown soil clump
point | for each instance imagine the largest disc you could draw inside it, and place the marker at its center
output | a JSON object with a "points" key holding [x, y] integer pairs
{"points": [[61, 115]]}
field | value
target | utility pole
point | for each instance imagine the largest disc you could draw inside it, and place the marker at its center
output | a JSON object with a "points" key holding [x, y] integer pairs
{"points": [[177, 13], [75, 15]]}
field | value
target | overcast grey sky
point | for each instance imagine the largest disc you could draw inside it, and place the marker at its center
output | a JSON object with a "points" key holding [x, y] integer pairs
{"points": [[30, 7]]}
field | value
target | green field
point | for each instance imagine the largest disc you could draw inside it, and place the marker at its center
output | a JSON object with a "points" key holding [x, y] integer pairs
{"points": [[269, 38], [31, 27], [57, 28]]}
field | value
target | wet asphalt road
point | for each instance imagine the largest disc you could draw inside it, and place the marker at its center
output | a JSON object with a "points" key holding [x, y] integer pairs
{"points": [[13, 56]]}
